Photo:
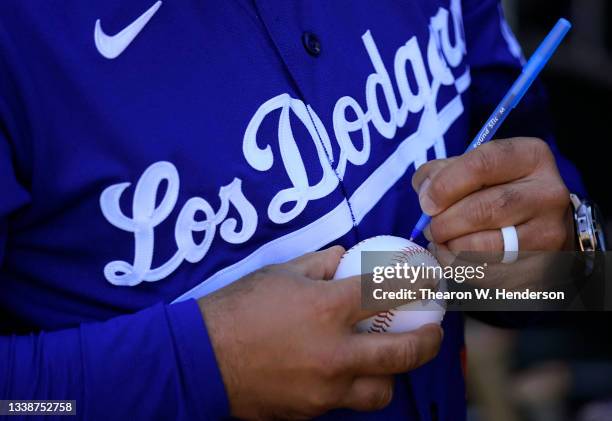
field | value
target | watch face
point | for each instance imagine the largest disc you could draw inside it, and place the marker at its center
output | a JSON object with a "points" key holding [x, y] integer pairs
{"points": [[584, 227], [589, 227], [599, 228]]}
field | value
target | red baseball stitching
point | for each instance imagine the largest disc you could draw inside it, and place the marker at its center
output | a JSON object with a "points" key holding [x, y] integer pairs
{"points": [[383, 320], [359, 243]]}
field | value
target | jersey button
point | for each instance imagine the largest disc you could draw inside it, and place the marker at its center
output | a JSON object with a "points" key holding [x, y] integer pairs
{"points": [[311, 44]]}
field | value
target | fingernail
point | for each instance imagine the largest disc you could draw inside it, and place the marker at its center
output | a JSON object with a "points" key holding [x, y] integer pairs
{"points": [[427, 233], [335, 246], [428, 206]]}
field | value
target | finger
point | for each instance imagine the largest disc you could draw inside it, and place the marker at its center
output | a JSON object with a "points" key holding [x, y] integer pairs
{"points": [[392, 353], [457, 258], [543, 234], [442, 253], [369, 393], [491, 208], [346, 295], [494, 163], [540, 234], [487, 241], [428, 170], [320, 264]]}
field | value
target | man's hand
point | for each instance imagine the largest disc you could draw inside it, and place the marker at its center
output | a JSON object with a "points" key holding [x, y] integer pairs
{"points": [[502, 183], [284, 341]]}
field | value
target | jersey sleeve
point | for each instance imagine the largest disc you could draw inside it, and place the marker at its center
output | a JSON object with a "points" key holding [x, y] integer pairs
{"points": [[495, 59], [154, 364]]}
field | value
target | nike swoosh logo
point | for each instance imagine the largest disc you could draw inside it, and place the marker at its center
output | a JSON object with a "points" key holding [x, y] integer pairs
{"points": [[112, 46]]}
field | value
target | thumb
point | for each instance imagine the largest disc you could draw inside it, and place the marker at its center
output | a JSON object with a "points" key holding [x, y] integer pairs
{"points": [[320, 264]]}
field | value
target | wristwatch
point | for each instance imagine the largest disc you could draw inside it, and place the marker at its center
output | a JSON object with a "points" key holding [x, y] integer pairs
{"points": [[588, 221]]}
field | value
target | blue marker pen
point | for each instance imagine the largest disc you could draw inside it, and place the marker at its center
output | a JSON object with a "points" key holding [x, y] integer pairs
{"points": [[530, 72]]}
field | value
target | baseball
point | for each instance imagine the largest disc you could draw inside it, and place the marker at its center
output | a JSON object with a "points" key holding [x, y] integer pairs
{"points": [[409, 316]]}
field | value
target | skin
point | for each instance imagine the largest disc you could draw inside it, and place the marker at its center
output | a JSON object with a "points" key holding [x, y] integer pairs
{"points": [[285, 344], [505, 182], [284, 337]]}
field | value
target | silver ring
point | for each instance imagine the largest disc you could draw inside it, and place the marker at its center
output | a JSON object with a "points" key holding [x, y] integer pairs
{"points": [[511, 244]]}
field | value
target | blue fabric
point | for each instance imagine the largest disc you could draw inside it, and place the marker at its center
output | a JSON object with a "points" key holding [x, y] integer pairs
{"points": [[144, 365], [208, 148]]}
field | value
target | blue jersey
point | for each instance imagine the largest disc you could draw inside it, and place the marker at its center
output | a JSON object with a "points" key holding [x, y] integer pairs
{"points": [[151, 153]]}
